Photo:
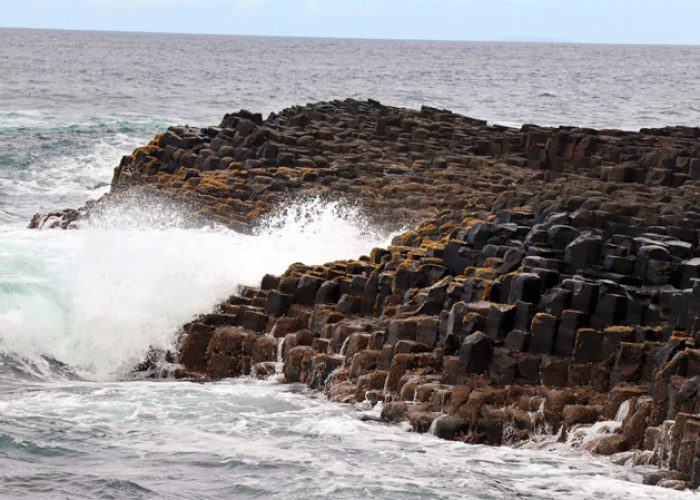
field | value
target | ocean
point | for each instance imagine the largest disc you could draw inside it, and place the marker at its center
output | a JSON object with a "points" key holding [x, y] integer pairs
{"points": [[78, 309]]}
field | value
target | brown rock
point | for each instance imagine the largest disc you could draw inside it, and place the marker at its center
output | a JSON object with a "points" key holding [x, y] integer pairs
{"points": [[580, 414], [264, 349], [609, 445], [193, 350], [297, 364], [364, 362]]}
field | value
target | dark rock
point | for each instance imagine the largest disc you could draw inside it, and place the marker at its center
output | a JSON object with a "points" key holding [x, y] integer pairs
{"points": [[500, 320], [529, 367], [555, 371], [395, 412], [450, 427], [228, 353], [504, 367], [476, 352], [544, 329], [427, 331], [401, 330], [458, 256], [584, 295], [524, 312], [264, 349], [328, 293], [349, 304], [525, 287], [589, 345], [555, 300], [421, 421], [628, 362], [560, 236], [307, 288], [530, 235], [582, 251], [254, 320], [517, 340], [570, 323], [277, 303], [610, 310], [511, 260]]}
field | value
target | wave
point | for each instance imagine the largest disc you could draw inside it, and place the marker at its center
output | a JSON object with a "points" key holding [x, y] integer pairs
{"points": [[32, 120], [58, 170], [52, 160], [247, 438], [97, 299]]}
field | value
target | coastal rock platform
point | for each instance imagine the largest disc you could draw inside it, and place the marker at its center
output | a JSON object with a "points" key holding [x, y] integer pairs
{"points": [[550, 278]]}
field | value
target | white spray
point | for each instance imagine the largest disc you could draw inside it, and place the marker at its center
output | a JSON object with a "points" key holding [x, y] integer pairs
{"points": [[99, 297]]}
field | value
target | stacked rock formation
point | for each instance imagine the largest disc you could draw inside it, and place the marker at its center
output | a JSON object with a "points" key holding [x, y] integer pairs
{"points": [[552, 278]]}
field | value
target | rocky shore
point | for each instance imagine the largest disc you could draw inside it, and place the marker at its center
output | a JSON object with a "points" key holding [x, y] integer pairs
{"points": [[551, 278]]}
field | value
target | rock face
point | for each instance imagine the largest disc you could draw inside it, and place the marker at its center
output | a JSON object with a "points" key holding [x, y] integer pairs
{"points": [[552, 278]]}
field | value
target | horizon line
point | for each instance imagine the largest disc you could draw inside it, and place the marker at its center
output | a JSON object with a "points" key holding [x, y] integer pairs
{"points": [[387, 39]]}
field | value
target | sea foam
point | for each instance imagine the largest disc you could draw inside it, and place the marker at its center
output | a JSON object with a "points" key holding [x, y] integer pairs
{"points": [[98, 298]]}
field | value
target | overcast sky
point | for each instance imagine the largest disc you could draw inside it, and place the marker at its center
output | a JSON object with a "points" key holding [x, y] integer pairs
{"points": [[597, 21]]}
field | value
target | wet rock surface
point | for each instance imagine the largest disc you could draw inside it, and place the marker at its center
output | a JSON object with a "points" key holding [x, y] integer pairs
{"points": [[551, 278]]}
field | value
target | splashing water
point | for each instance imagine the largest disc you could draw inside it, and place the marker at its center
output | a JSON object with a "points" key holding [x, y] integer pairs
{"points": [[42, 170], [251, 439], [97, 298], [623, 411], [587, 436]]}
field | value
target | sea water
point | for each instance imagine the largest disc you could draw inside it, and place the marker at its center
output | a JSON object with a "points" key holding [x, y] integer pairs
{"points": [[78, 309]]}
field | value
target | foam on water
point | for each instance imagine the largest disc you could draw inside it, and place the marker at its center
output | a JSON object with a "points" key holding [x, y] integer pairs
{"points": [[98, 298], [245, 438], [52, 169], [36, 120]]}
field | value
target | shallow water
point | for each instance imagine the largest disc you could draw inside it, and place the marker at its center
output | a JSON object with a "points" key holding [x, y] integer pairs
{"points": [[79, 308], [249, 438]]}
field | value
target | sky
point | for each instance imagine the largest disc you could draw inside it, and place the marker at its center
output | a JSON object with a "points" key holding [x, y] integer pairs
{"points": [[587, 21]]}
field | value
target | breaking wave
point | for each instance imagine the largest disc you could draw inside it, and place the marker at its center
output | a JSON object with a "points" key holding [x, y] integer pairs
{"points": [[98, 298]]}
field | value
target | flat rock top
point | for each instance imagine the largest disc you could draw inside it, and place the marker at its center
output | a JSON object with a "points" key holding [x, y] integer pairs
{"points": [[404, 165]]}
